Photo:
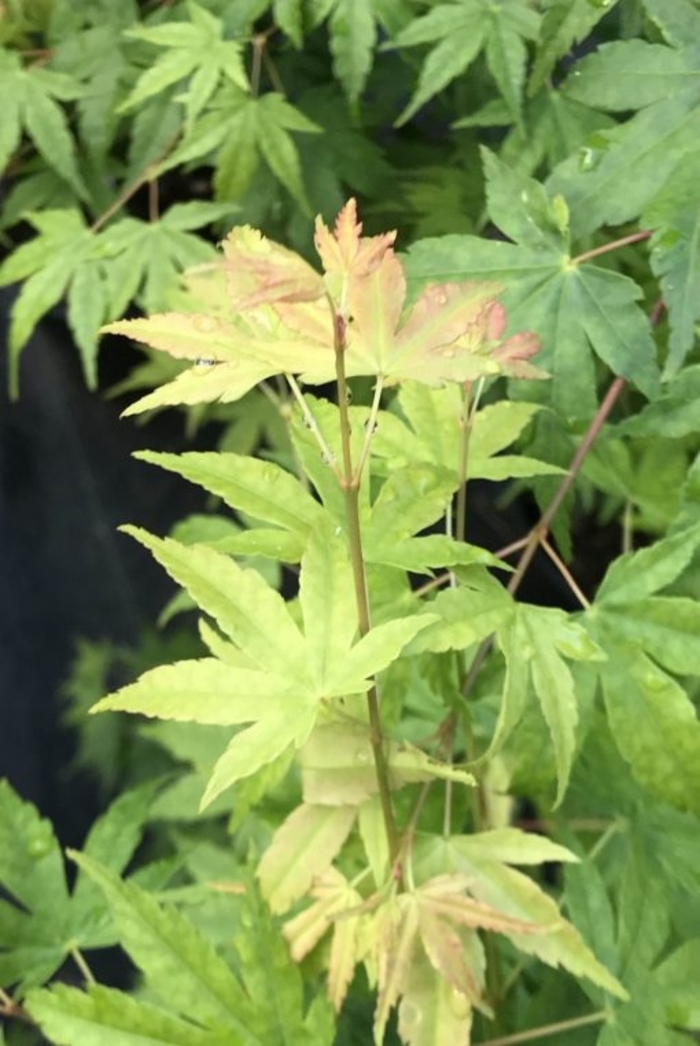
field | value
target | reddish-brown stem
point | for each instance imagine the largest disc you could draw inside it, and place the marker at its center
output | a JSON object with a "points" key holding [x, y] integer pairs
{"points": [[10, 1008], [133, 187], [541, 530], [565, 572], [605, 248], [153, 200]]}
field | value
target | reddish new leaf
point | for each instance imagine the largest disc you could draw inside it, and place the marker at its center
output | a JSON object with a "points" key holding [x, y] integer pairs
{"points": [[259, 271]]}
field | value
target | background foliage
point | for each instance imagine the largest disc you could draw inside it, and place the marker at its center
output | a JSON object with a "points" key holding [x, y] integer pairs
{"points": [[547, 145]]}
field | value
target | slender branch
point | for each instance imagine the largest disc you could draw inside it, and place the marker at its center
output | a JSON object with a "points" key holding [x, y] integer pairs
{"points": [[153, 200], [80, 961], [605, 248], [147, 175], [600, 844], [541, 529], [508, 550], [466, 422], [10, 1008], [565, 573], [312, 425], [259, 41], [273, 73], [549, 1029], [628, 526], [435, 582], [350, 485], [370, 429]]}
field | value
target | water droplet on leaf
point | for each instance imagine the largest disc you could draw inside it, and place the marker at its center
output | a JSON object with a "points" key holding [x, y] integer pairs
{"points": [[587, 158], [410, 1014], [205, 324], [40, 844]]}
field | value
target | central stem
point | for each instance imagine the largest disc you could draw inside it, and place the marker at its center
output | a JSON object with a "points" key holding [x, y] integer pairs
{"points": [[350, 485]]}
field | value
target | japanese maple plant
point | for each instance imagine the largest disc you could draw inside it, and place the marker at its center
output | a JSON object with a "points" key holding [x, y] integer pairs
{"points": [[398, 856]]}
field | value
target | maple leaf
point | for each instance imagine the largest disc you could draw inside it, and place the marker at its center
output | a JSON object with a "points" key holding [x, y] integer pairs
{"points": [[41, 923], [258, 270], [428, 920], [432, 432], [238, 130], [458, 31], [334, 898], [277, 688], [576, 308], [659, 84], [649, 638], [452, 332], [196, 49], [267, 312]]}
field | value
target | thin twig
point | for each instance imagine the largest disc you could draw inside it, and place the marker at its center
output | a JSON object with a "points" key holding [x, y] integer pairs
{"points": [[312, 425], [605, 248], [514, 546], [10, 1008], [370, 429], [565, 572], [273, 73], [132, 188], [80, 961], [548, 1029]]}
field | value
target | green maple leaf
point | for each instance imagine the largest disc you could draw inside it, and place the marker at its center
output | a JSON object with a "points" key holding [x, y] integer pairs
{"points": [[100, 273], [458, 31], [646, 474], [662, 83], [353, 35], [575, 308], [302, 848], [289, 17], [235, 131], [194, 50], [283, 676], [411, 500], [432, 432], [199, 999], [674, 414], [536, 641], [553, 127], [72, 268], [633, 940], [144, 260], [112, 1018], [259, 489], [486, 863], [41, 923], [94, 55], [30, 107], [648, 638], [564, 23], [674, 215]]}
